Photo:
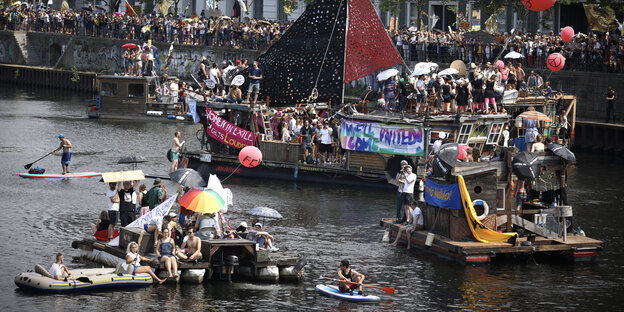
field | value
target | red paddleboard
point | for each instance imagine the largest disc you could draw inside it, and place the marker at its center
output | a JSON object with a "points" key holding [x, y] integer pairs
{"points": [[61, 176]]}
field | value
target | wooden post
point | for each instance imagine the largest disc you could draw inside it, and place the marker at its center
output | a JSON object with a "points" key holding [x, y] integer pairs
{"points": [[509, 189]]}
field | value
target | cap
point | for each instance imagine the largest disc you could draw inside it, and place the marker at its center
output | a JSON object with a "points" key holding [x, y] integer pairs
{"points": [[61, 136], [173, 215], [258, 225], [403, 162], [157, 182], [238, 62], [243, 224], [442, 135]]}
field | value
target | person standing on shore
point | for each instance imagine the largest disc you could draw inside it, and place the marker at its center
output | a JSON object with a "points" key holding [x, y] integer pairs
{"points": [[175, 151], [610, 97], [66, 158]]}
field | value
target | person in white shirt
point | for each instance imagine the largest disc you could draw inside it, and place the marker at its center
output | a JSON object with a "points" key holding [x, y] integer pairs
{"points": [[112, 197], [174, 88], [436, 145], [408, 185], [58, 269], [415, 223], [399, 199], [325, 148]]}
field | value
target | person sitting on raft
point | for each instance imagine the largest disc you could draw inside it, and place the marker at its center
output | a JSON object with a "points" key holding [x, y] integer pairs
{"points": [[135, 259], [415, 222], [191, 247], [58, 269], [165, 250], [350, 278], [262, 238]]}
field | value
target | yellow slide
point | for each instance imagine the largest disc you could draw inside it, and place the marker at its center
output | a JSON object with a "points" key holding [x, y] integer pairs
{"points": [[480, 231]]}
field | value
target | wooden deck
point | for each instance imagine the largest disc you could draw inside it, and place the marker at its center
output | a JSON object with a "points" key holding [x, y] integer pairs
{"points": [[576, 248]]}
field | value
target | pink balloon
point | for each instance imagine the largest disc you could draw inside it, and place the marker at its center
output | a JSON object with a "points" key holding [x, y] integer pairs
{"points": [[567, 33], [500, 64], [250, 156], [538, 5], [555, 62]]}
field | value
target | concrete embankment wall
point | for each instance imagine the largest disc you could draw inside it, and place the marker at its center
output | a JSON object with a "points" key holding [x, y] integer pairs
{"points": [[102, 55]]}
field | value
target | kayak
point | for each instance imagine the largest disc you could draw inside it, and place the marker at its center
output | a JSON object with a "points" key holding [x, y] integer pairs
{"points": [[333, 291], [61, 176], [86, 280]]}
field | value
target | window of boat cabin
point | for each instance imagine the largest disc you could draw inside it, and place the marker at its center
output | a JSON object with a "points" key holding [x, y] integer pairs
{"points": [[136, 90], [108, 89], [464, 133], [495, 132], [152, 90]]}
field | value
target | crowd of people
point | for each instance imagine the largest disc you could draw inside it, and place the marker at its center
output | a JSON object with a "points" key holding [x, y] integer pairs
{"points": [[250, 33], [592, 52]]}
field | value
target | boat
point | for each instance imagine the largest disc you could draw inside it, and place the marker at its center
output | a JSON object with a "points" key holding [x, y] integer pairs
{"points": [[60, 176], [86, 280], [134, 98], [332, 291]]}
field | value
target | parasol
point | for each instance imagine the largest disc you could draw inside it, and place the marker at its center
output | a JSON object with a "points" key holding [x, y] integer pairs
{"points": [[480, 36], [384, 75], [448, 71], [129, 46], [526, 166], [534, 115], [187, 177], [264, 212], [514, 55], [562, 152], [460, 66], [202, 201], [413, 29], [420, 71]]}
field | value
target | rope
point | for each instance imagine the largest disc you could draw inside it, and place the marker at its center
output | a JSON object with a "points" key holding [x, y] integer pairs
{"points": [[314, 94], [233, 171]]}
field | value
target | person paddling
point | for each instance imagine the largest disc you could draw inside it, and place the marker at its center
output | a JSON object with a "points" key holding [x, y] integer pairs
{"points": [[347, 275], [66, 158]]}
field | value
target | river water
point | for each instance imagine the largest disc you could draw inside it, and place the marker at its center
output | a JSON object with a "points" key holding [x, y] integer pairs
{"points": [[326, 223]]}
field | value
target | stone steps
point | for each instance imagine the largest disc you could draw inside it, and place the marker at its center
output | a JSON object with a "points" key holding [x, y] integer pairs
{"points": [[22, 43]]}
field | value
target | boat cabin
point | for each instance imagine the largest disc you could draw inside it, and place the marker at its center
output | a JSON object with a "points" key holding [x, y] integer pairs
{"points": [[122, 95]]}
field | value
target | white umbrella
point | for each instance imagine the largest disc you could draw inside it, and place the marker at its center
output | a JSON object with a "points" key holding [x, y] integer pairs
{"points": [[448, 71], [420, 71], [413, 29], [384, 75], [514, 55]]}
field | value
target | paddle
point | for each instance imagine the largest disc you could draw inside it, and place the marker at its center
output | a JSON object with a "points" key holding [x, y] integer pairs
{"points": [[388, 290], [46, 155]]}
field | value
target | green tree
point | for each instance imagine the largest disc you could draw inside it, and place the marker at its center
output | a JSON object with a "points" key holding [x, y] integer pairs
{"points": [[392, 6]]}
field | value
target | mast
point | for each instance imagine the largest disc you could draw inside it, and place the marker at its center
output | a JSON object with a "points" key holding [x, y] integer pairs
{"points": [[344, 53]]}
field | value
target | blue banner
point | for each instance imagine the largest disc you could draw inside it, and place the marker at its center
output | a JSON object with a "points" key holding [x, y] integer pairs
{"points": [[442, 195]]}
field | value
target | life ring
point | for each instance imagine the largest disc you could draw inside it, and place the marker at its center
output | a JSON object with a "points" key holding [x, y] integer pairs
{"points": [[486, 208]]}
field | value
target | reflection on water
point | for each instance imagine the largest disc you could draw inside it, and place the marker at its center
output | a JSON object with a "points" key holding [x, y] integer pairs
{"points": [[327, 223]]}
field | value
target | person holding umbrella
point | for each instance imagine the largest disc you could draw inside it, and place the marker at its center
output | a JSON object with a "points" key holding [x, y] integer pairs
{"points": [[66, 158]]}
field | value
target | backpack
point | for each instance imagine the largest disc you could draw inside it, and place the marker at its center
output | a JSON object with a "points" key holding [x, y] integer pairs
{"points": [[36, 170], [309, 159]]}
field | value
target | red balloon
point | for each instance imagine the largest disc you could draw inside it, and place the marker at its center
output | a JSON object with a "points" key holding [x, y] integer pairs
{"points": [[250, 156], [555, 62], [567, 33], [538, 5], [500, 64]]}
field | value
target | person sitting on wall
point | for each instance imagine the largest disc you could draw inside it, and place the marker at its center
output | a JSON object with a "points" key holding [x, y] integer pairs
{"points": [[262, 238], [191, 247], [415, 223]]}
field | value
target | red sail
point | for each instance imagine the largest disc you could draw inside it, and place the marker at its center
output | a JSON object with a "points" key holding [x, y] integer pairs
{"points": [[368, 46]]}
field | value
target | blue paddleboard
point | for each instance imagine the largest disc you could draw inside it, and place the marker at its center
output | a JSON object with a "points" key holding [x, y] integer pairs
{"points": [[333, 291]]}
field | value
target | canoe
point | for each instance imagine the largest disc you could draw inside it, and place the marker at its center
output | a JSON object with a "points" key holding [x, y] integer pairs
{"points": [[333, 291], [86, 280], [61, 176]]}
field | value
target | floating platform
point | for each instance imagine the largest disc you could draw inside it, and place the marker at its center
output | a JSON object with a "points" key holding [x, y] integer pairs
{"points": [[575, 249], [223, 258]]}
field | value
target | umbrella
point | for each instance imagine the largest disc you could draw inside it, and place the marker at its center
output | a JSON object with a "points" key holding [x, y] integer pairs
{"points": [[562, 152], [448, 153], [480, 36], [420, 71], [426, 65], [129, 46], [514, 55], [525, 166], [534, 115], [188, 19], [202, 201], [264, 212], [440, 168], [384, 75], [131, 160], [460, 66], [264, 22], [448, 71], [118, 13], [187, 177], [413, 29]]}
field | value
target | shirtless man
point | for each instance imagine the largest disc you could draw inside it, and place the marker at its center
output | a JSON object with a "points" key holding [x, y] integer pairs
{"points": [[175, 151], [346, 274], [58, 269], [66, 158], [191, 248]]}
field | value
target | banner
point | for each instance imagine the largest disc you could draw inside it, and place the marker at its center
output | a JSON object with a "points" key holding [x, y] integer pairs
{"points": [[367, 136], [600, 18], [442, 195], [192, 104], [227, 133]]}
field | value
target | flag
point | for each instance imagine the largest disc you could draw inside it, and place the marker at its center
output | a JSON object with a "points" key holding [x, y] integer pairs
{"points": [[64, 6], [211, 4], [129, 9], [600, 20], [164, 5]]}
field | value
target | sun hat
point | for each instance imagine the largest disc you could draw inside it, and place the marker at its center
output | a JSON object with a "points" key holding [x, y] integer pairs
{"points": [[258, 225], [243, 224], [157, 182]]}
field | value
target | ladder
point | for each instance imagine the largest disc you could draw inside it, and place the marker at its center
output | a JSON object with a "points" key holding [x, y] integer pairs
{"points": [[266, 123]]}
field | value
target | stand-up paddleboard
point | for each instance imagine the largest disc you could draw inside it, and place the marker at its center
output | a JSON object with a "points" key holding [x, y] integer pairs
{"points": [[333, 291], [61, 176]]}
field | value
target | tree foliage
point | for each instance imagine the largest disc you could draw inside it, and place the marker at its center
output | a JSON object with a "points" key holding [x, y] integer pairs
{"points": [[392, 6]]}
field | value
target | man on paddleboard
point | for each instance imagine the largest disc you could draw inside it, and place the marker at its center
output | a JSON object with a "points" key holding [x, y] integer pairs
{"points": [[346, 274], [66, 158]]}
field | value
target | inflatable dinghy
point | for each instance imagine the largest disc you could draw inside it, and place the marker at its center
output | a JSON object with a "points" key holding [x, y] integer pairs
{"points": [[86, 280]]}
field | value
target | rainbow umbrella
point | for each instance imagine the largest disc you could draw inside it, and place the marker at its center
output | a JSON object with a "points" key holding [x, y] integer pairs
{"points": [[203, 201]]}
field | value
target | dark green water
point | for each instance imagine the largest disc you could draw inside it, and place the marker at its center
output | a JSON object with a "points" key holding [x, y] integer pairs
{"points": [[326, 223]]}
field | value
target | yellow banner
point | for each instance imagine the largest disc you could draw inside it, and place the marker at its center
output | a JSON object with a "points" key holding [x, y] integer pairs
{"points": [[480, 231], [119, 176], [600, 18], [163, 6]]}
